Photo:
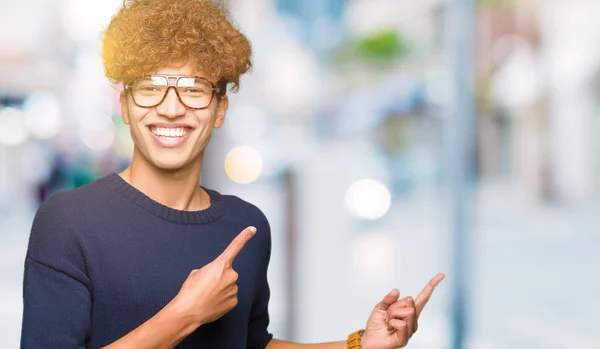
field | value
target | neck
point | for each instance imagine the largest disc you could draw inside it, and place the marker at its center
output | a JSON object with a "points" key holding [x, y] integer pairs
{"points": [[178, 189]]}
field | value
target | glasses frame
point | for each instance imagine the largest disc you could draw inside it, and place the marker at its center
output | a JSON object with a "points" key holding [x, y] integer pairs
{"points": [[173, 84]]}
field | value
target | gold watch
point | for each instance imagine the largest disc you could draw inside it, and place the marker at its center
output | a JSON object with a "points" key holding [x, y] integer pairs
{"points": [[354, 339]]}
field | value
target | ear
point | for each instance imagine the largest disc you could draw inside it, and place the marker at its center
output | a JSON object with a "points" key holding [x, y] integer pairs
{"points": [[124, 109], [222, 107]]}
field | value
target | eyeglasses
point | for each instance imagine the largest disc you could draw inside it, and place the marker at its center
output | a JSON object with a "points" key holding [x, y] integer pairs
{"points": [[193, 92]]}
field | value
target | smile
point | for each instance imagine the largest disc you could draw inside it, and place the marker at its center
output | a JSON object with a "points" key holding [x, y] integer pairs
{"points": [[170, 131], [170, 137]]}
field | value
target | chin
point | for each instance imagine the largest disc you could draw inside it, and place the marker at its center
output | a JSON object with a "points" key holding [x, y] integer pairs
{"points": [[170, 166], [168, 161]]}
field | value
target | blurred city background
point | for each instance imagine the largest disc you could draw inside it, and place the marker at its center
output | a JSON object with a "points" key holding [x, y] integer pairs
{"points": [[385, 140]]}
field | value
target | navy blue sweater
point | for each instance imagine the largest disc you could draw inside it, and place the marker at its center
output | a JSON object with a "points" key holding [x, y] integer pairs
{"points": [[104, 258]]}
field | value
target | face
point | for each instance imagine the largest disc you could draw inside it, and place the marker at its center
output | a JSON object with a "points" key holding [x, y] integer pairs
{"points": [[171, 136]]}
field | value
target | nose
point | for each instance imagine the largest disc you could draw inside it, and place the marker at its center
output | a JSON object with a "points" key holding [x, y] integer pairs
{"points": [[171, 106]]}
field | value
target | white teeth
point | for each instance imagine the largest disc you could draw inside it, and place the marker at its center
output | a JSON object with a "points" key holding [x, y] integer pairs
{"points": [[169, 131]]}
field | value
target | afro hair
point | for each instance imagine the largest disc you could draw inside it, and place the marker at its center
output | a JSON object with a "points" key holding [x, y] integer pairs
{"points": [[146, 35]]}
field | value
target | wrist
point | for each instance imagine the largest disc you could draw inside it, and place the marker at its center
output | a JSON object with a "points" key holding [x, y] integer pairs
{"points": [[366, 340], [181, 313], [354, 340]]}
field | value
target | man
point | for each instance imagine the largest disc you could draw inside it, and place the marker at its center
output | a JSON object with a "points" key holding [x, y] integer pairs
{"points": [[148, 258]]}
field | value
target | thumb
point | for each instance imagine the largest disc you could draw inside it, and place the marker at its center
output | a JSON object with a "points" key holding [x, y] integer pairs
{"points": [[389, 299]]}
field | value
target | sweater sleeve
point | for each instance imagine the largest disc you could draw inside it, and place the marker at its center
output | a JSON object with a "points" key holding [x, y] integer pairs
{"points": [[258, 334], [56, 287]]}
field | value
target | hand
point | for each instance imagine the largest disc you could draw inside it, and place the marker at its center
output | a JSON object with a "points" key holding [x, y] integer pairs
{"points": [[211, 292], [393, 322]]}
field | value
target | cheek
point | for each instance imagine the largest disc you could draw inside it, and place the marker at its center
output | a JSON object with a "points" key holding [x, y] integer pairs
{"points": [[206, 117], [137, 114], [135, 118]]}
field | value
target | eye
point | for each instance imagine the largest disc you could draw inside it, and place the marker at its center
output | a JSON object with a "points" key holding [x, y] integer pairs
{"points": [[194, 90], [148, 88]]}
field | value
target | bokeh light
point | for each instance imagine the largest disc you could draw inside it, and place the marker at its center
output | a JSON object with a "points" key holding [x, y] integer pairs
{"points": [[368, 199], [100, 138], [13, 129], [43, 115], [243, 164]]}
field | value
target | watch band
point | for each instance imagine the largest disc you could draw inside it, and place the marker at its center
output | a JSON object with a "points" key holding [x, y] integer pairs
{"points": [[354, 339]]}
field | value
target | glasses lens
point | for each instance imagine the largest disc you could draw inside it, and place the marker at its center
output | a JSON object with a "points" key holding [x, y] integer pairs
{"points": [[149, 91], [195, 92]]}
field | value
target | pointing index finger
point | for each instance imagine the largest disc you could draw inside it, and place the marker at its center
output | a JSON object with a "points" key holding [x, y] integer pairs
{"points": [[236, 246], [424, 296]]}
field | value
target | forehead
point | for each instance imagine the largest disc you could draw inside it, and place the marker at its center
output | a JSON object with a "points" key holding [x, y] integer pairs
{"points": [[180, 69]]}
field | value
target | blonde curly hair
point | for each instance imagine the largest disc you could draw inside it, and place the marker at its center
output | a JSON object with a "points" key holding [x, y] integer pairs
{"points": [[146, 35]]}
